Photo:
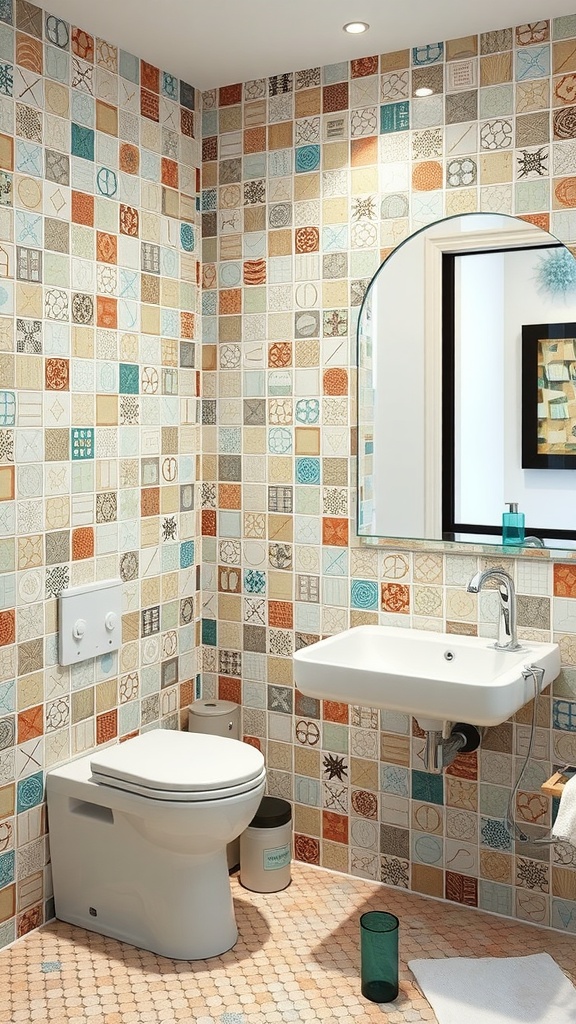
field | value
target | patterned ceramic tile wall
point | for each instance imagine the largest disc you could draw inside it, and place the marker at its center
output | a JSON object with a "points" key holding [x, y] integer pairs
{"points": [[309, 179], [99, 435]]}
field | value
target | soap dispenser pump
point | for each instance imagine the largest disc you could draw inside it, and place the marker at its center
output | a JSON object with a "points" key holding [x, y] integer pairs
{"points": [[512, 524]]}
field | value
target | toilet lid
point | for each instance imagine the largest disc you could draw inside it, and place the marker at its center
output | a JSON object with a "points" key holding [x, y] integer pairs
{"points": [[172, 765]]}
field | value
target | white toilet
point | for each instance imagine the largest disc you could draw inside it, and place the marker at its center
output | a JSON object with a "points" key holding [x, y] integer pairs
{"points": [[138, 836]]}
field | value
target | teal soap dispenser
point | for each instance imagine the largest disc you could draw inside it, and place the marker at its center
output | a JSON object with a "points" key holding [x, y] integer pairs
{"points": [[512, 524]]}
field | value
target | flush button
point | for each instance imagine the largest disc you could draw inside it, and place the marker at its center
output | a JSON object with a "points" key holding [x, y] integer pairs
{"points": [[111, 621], [79, 629]]}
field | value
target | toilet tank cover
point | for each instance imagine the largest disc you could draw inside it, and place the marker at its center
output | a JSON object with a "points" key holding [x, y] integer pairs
{"points": [[179, 761]]}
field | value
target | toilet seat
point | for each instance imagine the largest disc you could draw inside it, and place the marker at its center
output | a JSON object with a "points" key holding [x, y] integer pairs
{"points": [[179, 766]]}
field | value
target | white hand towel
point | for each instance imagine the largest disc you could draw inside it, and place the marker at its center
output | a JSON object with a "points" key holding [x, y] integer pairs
{"points": [[497, 990], [565, 825]]}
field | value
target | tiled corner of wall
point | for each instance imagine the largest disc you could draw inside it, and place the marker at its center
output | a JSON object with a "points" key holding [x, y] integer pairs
{"points": [[309, 180], [99, 390]]}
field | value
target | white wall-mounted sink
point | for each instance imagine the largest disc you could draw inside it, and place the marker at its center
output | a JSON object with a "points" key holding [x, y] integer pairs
{"points": [[433, 676]]}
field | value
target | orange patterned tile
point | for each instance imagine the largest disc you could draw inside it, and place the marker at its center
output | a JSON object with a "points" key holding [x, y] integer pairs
{"points": [[106, 247], [169, 172], [364, 152], [335, 97], [427, 176], [106, 311], [7, 627], [280, 354], [187, 324], [83, 209], [254, 271], [149, 105], [307, 849], [229, 496], [149, 76], [228, 95], [30, 723], [56, 374], [307, 239], [335, 532], [83, 44], [281, 614], [230, 301], [253, 741], [255, 139], [395, 597], [229, 689], [364, 66], [150, 501], [106, 726], [82, 543], [187, 124], [29, 53], [208, 522], [335, 381], [129, 158], [334, 711], [540, 220], [29, 920], [334, 827], [129, 220], [564, 579]]}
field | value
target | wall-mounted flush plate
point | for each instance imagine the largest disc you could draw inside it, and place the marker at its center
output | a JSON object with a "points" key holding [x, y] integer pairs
{"points": [[90, 621]]}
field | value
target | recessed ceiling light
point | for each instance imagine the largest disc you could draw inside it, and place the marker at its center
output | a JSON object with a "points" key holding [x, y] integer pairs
{"points": [[356, 27], [423, 91]]}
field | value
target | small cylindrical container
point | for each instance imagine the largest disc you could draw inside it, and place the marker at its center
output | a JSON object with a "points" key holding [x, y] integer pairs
{"points": [[266, 847], [379, 956]]}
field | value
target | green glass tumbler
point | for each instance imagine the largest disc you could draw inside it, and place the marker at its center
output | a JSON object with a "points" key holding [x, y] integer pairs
{"points": [[379, 956]]}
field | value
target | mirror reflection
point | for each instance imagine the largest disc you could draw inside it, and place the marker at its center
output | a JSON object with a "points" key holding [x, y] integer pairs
{"points": [[467, 387]]}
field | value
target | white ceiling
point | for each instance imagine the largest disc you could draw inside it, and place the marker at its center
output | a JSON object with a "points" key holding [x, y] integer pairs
{"points": [[217, 42]]}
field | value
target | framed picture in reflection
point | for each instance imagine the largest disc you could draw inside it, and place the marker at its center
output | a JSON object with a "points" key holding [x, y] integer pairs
{"points": [[549, 396]]}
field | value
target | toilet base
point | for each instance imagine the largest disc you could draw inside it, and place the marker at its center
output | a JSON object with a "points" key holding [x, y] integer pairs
{"points": [[174, 905], [145, 872]]}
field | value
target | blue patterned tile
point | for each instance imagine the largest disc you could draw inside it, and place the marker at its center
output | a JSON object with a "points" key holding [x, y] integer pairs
{"points": [[395, 117], [427, 849], [187, 238], [428, 787], [106, 182], [254, 581], [532, 62], [394, 779], [57, 65], [30, 792], [169, 86], [307, 410], [432, 53], [82, 142], [307, 159], [209, 123], [82, 443], [307, 471], [129, 382], [50, 966], [209, 632], [564, 715], [7, 408], [6, 868], [186, 554], [29, 158], [364, 594], [6, 11]]}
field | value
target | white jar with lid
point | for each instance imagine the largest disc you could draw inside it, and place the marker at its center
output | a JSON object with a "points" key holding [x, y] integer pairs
{"points": [[266, 847]]}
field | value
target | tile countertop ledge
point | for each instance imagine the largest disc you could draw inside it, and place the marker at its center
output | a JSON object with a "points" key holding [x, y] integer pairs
{"points": [[297, 959]]}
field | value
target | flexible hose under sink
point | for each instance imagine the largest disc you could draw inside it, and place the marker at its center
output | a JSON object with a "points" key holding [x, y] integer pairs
{"points": [[514, 829]]}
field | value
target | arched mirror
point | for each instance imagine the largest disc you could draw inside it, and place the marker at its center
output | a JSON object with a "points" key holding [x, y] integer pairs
{"points": [[467, 386]]}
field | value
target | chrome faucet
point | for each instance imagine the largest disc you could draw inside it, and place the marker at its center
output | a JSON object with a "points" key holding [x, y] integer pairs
{"points": [[507, 638]]}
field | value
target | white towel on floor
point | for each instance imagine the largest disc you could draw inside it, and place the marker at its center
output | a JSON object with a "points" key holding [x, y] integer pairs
{"points": [[565, 825], [497, 990]]}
